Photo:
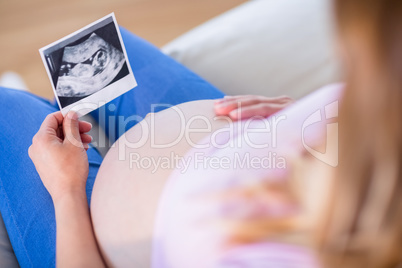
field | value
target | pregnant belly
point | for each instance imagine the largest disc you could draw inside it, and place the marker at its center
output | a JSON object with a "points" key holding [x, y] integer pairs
{"points": [[133, 174]]}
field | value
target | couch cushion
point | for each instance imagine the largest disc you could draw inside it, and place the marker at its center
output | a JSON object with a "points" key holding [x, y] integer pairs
{"points": [[7, 256], [263, 47]]}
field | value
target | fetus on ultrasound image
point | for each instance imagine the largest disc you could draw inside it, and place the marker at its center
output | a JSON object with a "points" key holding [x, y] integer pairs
{"points": [[88, 67]]}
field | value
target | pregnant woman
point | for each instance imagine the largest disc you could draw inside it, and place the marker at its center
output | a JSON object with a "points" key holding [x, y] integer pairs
{"points": [[194, 185]]}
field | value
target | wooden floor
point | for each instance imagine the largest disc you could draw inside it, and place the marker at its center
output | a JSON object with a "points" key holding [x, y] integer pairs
{"points": [[27, 25]]}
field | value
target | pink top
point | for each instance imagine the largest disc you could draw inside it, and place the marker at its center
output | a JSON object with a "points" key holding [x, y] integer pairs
{"points": [[186, 235]]}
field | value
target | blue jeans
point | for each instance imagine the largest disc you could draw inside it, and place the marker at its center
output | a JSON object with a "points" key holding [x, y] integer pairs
{"points": [[25, 205]]}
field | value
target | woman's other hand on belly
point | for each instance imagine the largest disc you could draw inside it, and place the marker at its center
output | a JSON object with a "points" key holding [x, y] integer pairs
{"points": [[247, 106]]}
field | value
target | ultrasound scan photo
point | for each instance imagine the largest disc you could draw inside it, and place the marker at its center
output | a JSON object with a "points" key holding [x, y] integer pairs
{"points": [[88, 67]]}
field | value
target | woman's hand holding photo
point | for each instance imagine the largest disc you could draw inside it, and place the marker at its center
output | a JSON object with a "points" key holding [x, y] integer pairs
{"points": [[59, 153]]}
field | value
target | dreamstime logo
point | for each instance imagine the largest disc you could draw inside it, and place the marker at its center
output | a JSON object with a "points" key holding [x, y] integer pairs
{"points": [[330, 156]]}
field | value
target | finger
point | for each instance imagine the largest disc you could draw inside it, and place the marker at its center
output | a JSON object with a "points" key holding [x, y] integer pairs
{"points": [[279, 99], [71, 129], [60, 133], [219, 101], [85, 138], [226, 107], [50, 125], [283, 100], [84, 126], [225, 98], [230, 98], [239, 97], [86, 146], [262, 109]]}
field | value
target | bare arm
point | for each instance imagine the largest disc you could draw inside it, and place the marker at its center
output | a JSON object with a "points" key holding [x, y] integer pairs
{"points": [[58, 152], [76, 245]]}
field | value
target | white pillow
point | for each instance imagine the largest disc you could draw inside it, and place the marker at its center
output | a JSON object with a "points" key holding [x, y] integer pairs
{"points": [[263, 47]]}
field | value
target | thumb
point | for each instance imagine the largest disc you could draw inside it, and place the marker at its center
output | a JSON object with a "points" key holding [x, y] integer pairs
{"points": [[71, 129]]}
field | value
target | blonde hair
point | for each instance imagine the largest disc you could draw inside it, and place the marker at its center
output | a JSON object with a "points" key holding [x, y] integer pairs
{"points": [[363, 225]]}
